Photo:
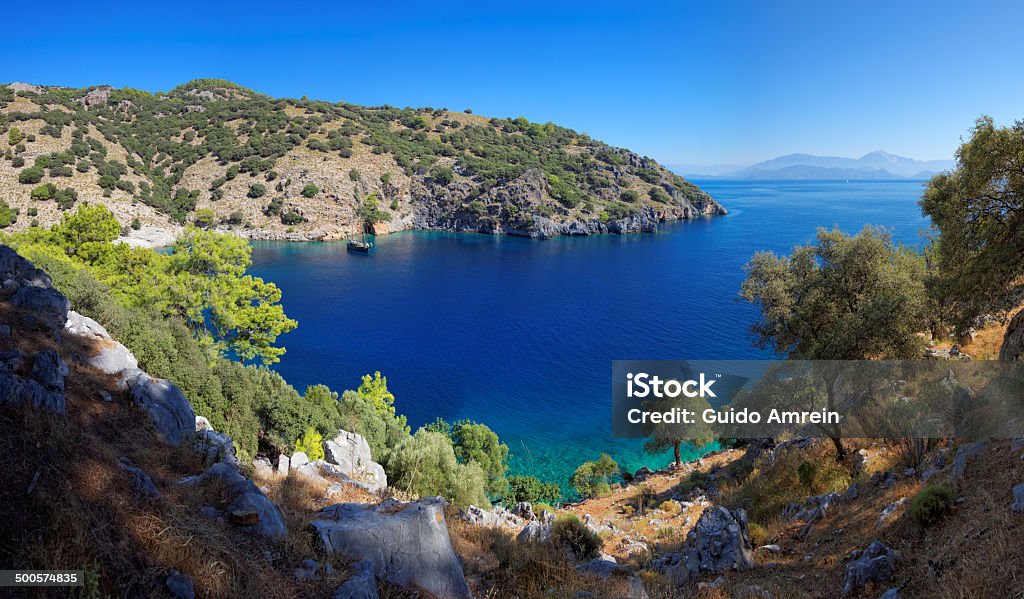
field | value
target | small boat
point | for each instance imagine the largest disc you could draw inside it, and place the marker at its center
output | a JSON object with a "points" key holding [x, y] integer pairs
{"points": [[359, 247]]}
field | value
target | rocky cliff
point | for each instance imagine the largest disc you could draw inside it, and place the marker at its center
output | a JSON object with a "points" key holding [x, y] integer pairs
{"points": [[220, 155]]}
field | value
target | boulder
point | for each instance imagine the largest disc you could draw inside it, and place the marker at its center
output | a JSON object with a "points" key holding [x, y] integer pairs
{"points": [[719, 542], [203, 424], [165, 405], [180, 585], [1013, 341], [602, 567], [113, 358], [372, 532], [19, 271], [523, 510], [49, 305], [351, 453], [142, 484], [876, 564], [15, 391], [49, 369], [893, 593], [811, 508], [1018, 498], [11, 361], [262, 468], [244, 497], [284, 464], [215, 447], [361, 585], [889, 511], [498, 517], [83, 326], [963, 454], [298, 459], [534, 532]]}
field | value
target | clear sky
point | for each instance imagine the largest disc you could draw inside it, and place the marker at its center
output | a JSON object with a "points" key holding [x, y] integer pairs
{"points": [[687, 83]]}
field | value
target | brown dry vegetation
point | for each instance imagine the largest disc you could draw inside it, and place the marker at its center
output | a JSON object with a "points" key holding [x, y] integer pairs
{"points": [[66, 504]]}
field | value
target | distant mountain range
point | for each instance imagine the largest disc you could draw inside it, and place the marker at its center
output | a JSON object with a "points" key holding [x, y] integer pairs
{"points": [[875, 165]]}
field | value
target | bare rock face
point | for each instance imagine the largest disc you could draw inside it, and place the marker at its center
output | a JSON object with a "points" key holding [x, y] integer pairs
{"points": [[719, 542], [350, 452], [407, 543], [1013, 341], [16, 391], [19, 86], [96, 97], [361, 585], [164, 404]]}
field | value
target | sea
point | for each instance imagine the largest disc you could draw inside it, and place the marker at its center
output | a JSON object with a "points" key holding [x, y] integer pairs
{"points": [[520, 334]]}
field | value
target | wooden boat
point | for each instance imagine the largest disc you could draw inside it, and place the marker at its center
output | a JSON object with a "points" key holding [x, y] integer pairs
{"points": [[358, 247]]}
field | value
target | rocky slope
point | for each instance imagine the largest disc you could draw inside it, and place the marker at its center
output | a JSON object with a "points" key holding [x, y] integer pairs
{"points": [[213, 152]]}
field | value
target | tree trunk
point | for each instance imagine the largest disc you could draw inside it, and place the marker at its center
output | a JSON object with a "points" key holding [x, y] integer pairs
{"points": [[840, 450], [675, 450]]}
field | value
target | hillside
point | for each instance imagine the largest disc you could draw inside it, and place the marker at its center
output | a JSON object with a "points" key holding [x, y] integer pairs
{"points": [[221, 155]]}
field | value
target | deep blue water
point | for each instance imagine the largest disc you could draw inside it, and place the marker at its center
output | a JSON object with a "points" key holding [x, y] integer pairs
{"points": [[520, 334]]}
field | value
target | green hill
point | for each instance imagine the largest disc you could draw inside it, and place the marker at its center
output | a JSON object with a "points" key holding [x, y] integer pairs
{"points": [[219, 154]]}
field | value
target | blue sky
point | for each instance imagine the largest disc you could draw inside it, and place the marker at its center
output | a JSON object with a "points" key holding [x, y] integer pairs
{"points": [[687, 83]]}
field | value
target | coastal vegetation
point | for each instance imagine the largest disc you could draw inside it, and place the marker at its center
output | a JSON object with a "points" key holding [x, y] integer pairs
{"points": [[211, 144]]}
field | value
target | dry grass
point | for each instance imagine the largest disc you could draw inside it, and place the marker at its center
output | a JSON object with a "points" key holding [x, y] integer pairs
{"points": [[66, 503]]}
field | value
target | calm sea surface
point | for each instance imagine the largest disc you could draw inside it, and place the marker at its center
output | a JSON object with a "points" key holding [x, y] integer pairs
{"points": [[520, 334]]}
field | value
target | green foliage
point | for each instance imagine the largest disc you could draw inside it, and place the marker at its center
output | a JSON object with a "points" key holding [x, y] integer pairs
{"points": [[592, 478], [442, 174], [425, 464], [310, 191], [531, 489], [353, 175], [46, 191], [292, 217], [371, 212], [89, 224], [807, 473], [31, 175], [8, 215], [978, 212], [205, 218], [931, 504], [476, 443], [257, 190], [568, 531], [843, 298], [696, 480], [311, 443]]}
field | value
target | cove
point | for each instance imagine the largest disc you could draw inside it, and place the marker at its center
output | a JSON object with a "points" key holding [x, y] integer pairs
{"points": [[519, 334]]}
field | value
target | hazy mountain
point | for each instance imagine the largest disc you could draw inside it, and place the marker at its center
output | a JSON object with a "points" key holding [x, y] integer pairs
{"points": [[874, 165]]}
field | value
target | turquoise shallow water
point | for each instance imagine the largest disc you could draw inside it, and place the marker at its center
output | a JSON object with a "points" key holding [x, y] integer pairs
{"points": [[520, 334]]}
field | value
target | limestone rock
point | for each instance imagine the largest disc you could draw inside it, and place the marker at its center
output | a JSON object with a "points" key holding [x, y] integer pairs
{"points": [[876, 564], [215, 447], [534, 532], [719, 542], [15, 391], [963, 454], [1013, 340], [164, 404], [45, 303], [497, 517], [602, 567], [369, 532], [284, 464], [893, 593], [84, 326], [889, 511], [180, 585], [523, 510], [351, 453], [262, 468], [18, 86], [203, 424], [298, 459], [244, 496], [361, 585], [1018, 498], [142, 484], [49, 370]]}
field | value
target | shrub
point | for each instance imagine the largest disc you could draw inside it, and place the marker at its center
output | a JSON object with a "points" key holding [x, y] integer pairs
{"points": [[30, 175], [758, 534], [670, 507], [310, 191], [442, 174], [235, 218], [531, 489], [931, 504], [8, 215], [697, 479], [205, 218], [292, 217], [257, 190], [806, 473], [424, 464], [17, 162], [311, 443], [629, 195], [591, 478], [569, 532], [136, 223], [47, 191], [353, 175]]}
